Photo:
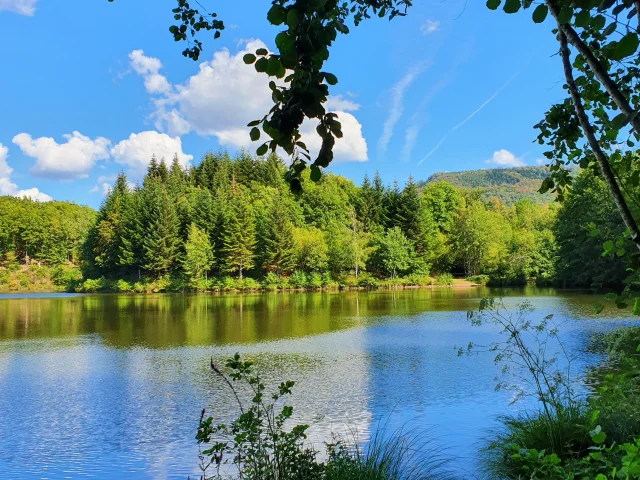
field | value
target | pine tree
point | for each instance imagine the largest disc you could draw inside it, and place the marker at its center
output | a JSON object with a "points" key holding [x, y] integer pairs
{"points": [[237, 233], [280, 249], [152, 169], [130, 255], [391, 200], [163, 171], [161, 242], [177, 179]]}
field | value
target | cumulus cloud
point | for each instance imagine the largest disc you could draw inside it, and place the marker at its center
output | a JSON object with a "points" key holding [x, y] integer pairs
{"points": [[429, 26], [504, 158], [137, 150], [21, 7], [7, 187], [226, 94], [65, 161], [148, 68]]}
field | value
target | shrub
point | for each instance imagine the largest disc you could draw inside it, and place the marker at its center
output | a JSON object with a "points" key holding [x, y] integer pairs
{"points": [[64, 274], [314, 280], [160, 284], [23, 280], [122, 286], [251, 284], [419, 280], [139, 287], [178, 283], [444, 279], [298, 279], [270, 281], [4, 277], [91, 285], [479, 279], [367, 280], [227, 284], [328, 281]]}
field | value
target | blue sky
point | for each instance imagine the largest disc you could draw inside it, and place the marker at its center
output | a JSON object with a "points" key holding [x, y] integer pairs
{"points": [[93, 88]]}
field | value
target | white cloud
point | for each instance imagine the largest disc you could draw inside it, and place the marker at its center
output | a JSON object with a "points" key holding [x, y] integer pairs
{"points": [[137, 150], [541, 161], [505, 158], [225, 95], [352, 147], [410, 137], [21, 7], [104, 185], [397, 107], [7, 187], [429, 26], [66, 161], [336, 103], [148, 68]]}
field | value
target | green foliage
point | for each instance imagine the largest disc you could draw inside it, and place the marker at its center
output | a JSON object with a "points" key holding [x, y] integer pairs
{"points": [[65, 274], [198, 256], [508, 184], [446, 279], [264, 443], [586, 220], [395, 252]]}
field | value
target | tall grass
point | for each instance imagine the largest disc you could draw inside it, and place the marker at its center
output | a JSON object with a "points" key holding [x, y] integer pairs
{"points": [[399, 455]]}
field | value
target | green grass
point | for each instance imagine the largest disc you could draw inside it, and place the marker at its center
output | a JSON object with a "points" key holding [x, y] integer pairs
{"points": [[397, 456]]}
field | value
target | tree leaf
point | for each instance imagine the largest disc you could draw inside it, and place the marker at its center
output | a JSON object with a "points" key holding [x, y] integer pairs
{"points": [[262, 51], [625, 47], [565, 15], [262, 149], [331, 78], [493, 4], [620, 121], [261, 65], [255, 123], [276, 15], [315, 174], [249, 58], [512, 6], [254, 134], [540, 13]]}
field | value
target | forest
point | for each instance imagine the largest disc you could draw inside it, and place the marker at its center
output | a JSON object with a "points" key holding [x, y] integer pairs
{"points": [[232, 223]]}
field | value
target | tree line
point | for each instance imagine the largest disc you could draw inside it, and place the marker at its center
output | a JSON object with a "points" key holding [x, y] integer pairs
{"points": [[237, 218]]}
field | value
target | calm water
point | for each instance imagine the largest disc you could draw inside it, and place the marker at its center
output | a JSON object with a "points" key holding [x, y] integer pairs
{"points": [[112, 386]]}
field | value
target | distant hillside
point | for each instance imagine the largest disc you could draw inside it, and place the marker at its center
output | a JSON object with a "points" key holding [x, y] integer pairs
{"points": [[508, 184]]}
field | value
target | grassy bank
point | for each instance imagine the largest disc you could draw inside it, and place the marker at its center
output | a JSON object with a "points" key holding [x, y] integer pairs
{"points": [[38, 278]]}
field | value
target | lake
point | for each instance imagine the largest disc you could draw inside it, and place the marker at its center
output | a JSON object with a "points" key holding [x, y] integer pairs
{"points": [[111, 386]]}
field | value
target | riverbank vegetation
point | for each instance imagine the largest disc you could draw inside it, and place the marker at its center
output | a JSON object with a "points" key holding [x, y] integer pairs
{"points": [[230, 224]]}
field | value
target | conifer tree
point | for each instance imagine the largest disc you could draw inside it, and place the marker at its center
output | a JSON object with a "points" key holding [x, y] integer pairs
{"points": [[163, 171], [280, 248], [237, 233], [161, 242]]}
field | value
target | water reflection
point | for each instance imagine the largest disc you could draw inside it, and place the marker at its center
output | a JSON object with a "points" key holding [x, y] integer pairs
{"points": [[112, 386]]}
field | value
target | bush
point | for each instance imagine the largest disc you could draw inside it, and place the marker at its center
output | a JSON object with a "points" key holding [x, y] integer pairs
{"points": [[64, 274], [479, 279], [270, 281], [419, 280], [367, 280], [328, 281], [160, 284], [91, 285], [4, 277], [298, 279], [445, 279], [314, 280], [227, 284], [122, 286], [250, 284], [139, 287]]}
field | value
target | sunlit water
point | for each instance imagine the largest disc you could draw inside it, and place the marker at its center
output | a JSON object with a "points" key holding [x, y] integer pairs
{"points": [[111, 386]]}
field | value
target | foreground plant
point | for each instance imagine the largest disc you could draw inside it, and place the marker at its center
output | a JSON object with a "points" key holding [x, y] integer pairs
{"points": [[257, 445]]}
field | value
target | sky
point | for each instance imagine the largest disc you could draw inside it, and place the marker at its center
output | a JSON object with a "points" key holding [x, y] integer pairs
{"points": [[89, 89]]}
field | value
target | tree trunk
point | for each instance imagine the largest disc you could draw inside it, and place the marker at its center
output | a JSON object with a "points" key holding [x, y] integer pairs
{"points": [[589, 133], [600, 72]]}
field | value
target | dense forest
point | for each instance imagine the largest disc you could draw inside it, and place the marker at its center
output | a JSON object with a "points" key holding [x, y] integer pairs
{"points": [[230, 223], [508, 184]]}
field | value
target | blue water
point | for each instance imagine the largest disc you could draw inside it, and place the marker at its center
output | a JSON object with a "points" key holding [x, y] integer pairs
{"points": [[112, 386]]}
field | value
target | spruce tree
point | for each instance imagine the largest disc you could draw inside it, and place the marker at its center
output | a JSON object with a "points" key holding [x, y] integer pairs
{"points": [[163, 171], [237, 233], [161, 242], [280, 248]]}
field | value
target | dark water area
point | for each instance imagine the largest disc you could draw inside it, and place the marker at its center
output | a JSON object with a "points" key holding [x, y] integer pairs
{"points": [[111, 386]]}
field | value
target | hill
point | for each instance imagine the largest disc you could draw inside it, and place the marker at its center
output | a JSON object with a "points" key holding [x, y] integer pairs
{"points": [[508, 184]]}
